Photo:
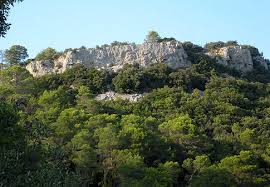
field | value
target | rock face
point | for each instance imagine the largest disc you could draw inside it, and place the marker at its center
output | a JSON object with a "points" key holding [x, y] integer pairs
{"points": [[39, 68], [234, 57], [260, 60], [113, 96], [113, 57]]}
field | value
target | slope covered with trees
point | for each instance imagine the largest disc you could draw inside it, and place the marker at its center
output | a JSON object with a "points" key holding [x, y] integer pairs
{"points": [[203, 126]]}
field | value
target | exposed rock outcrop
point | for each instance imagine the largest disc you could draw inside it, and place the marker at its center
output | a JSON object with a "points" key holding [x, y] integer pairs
{"points": [[113, 96], [113, 57], [39, 68], [234, 57]]}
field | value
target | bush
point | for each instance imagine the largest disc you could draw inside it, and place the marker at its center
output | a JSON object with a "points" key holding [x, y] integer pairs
{"points": [[194, 52], [216, 45]]}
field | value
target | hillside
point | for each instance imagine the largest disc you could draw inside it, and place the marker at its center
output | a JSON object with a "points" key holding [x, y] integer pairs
{"points": [[163, 113], [160, 112]]}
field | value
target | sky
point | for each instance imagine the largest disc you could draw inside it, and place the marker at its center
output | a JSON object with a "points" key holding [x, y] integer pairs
{"points": [[61, 24]]}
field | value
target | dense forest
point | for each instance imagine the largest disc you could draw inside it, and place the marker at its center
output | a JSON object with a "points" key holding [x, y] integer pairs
{"points": [[206, 126]]}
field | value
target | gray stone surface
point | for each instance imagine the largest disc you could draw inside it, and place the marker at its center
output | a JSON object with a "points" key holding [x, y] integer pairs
{"points": [[113, 95], [114, 57], [234, 57]]}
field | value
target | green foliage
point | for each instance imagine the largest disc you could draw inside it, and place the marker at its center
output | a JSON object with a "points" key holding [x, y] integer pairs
{"points": [[8, 119], [244, 168], [12, 144], [160, 103], [134, 79], [214, 177], [216, 45], [188, 80], [94, 79], [16, 54], [194, 52], [205, 65], [17, 85], [164, 175], [117, 43], [152, 37], [258, 74], [4, 12], [179, 129], [67, 123], [167, 40], [195, 166], [128, 79], [202, 126], [60, 98], [47, 54]]}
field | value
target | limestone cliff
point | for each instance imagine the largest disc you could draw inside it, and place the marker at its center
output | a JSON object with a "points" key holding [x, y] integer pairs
{"points": [[237, 57], [233, 56], [113, 57]]}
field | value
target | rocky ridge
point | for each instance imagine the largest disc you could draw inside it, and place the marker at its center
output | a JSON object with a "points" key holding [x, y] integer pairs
{"points": [[113, 57]]}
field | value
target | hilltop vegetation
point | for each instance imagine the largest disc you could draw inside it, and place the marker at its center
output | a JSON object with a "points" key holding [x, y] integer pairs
{"points": [[203, 126]]}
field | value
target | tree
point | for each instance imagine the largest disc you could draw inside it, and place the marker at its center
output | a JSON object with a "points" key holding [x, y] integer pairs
{"points": [[4, 11], [84, 156], [152, 37], [8, 120], [95, 80], [47, 54], [124, 168], [12, 145], [244, 168], [67, 124], [133, 78], [214, 177], [16, 54], [196, 165], [179, 130], [187, 79], [128, 79], [60, 135], [17, 84], [165, 175]]}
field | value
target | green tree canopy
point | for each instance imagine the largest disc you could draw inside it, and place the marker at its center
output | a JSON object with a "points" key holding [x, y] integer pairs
{"points": [[16, 54], [47, 54], [152, 37]]}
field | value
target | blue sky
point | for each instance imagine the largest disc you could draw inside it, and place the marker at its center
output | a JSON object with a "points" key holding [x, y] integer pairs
{"points": [[61, 24]]}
